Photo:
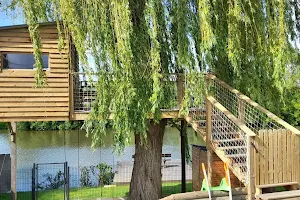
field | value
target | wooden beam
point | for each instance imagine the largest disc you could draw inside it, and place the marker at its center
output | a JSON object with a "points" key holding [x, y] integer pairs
{"points": [[13, 131], [208, 140], [33, 119], [28, 74], [165, 114], [251, 171]]}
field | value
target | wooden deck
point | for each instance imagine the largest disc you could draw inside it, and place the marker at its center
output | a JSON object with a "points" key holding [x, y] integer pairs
{"points": [[166, 114]]}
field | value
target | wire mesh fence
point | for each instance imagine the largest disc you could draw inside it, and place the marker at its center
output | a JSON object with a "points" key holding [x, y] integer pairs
{"points": [[84, 91], [227, 136], [91, 182], [242, 107]]}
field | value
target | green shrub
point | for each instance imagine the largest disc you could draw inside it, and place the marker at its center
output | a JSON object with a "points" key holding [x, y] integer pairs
{"points": [[85, 178], [104, 174], [3, 125], [52, 182], [291, 109], [55, 125]]}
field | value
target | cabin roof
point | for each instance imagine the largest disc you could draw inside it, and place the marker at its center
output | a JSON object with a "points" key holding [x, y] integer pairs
{"points": [[25, 25]]}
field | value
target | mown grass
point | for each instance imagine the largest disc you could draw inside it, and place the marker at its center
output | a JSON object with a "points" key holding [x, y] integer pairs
{"points": [[95, 192]]}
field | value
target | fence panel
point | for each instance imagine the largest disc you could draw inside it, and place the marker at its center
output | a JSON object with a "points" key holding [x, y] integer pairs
{"points": [[277, 158]]}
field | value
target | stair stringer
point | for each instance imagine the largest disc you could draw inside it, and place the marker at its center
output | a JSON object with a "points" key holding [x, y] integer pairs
{"points": [[220, 153]]}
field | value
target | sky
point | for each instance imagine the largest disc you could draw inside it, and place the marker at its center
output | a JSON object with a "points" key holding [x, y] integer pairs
{"points": [[8, 19]]}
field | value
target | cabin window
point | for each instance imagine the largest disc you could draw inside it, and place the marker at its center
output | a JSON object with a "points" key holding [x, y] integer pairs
{"points": [[22, 61]]}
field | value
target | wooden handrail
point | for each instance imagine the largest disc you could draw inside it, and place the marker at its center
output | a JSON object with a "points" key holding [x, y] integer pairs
{"points": [[256, 105], [228, 114]]}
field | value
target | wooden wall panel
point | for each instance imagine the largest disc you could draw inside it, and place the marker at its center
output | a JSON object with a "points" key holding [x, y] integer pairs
{"points": [[20, 100], [278, 157]]}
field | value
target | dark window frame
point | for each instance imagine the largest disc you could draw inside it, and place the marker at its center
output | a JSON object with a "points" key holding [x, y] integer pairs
{"points": [[14, 52]]}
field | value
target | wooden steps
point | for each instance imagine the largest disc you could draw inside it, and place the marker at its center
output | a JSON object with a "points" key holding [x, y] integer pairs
{"points": [[236, 155], [294, 186], [277, 184], [229, 140], [233, 147], [279, 195]]}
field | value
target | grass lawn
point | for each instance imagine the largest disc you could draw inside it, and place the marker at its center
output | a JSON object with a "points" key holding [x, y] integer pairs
{"points": [[95, 192]]}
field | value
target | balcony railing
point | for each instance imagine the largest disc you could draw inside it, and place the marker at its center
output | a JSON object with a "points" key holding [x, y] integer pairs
{"points": [[84, 92]]}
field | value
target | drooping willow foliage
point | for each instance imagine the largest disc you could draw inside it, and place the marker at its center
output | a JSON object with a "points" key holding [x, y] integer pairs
{"points": [[135, 43]]}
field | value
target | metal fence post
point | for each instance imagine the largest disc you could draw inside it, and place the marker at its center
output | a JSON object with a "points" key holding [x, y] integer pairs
{"points": [[36, 194], [33, 183], [66, 180]]}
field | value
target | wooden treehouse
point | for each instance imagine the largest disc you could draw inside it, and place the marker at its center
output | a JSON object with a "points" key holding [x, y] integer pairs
{"points": [[262, 150]]}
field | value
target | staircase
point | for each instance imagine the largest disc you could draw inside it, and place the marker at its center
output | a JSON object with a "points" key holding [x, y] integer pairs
{"points": [[259, 147]]}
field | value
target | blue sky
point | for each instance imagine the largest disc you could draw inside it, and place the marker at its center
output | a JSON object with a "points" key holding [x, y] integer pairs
{"points": [[8, 20]]}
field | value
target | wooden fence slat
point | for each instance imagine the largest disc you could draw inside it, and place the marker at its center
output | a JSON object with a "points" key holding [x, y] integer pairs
{"points": [[280, 159], [266, 154], [289, 156], [284, 154], [256, 160], [295, 162], [276, 162], [261, 157], [297, 154], [271, 156]]}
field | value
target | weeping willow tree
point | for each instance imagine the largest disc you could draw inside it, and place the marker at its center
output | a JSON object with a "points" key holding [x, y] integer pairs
{"points": [[136, 43]]}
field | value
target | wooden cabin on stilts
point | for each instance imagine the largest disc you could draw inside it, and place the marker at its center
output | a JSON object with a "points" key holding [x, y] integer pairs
{"points": [[261, 150]]}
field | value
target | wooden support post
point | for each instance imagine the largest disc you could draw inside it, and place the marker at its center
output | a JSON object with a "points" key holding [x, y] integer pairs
{"points": [[208, 140], [241, 110], [183, 159], [250, 165], [13, 138]]}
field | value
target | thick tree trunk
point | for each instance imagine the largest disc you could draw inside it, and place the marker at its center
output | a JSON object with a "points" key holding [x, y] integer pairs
{"points": [[146, 175]]}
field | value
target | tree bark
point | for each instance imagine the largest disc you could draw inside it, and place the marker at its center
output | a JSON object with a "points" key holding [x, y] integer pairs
{"points": [[146, 175]]}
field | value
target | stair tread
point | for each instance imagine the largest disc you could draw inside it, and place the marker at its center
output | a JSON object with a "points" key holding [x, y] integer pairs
{"points": [[230, 140], [277, 184], [233, 147], [240, 164], [236, 155], [280, 195]]}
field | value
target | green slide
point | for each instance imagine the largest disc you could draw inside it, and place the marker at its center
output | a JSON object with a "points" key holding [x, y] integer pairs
{"points": [[222, 187]]}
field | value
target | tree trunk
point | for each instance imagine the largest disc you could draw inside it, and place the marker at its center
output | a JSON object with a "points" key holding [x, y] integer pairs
{"points": [[146, 175]]}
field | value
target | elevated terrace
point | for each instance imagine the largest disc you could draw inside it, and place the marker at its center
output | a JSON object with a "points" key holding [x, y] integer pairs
{"points": [[84, 93]]}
